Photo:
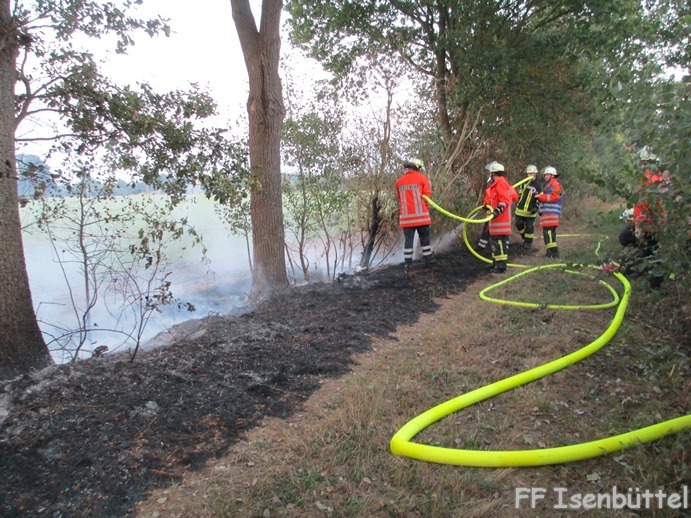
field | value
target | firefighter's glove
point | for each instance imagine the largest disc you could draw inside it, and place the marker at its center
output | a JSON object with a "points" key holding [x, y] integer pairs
{"points": [[496, 212]]}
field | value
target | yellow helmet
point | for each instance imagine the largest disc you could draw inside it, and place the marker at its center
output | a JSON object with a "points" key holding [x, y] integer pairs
{"points": [[414, 163]]}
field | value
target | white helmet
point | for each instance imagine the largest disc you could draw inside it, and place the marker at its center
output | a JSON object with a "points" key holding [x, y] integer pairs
{"points": [[550, 170], [495, 167], [414, 163], [531, 169], [645, 155]]}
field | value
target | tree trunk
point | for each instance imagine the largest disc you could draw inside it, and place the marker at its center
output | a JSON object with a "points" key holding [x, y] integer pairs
{"points": [[22, 348], [261, 50]]}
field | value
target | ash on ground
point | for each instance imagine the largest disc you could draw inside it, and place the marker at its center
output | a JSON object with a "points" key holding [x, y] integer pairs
{"points": [[94, 437]]}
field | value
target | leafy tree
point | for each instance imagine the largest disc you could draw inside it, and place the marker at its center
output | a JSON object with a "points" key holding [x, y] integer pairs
{"points": [[112, 253], [654, 112], [509, 78], [658, 117], [670, 40], [141, 131], [312, 194], [22, 31], [261, 49]]}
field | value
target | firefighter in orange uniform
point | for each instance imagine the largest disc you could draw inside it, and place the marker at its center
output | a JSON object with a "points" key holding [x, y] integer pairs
{"points": [[413, 210], [485, 236], [550, 210], [499, 196], [643, 220]]}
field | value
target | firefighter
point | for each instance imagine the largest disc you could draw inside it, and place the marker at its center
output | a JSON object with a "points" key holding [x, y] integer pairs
{"points": [[642, 220], [499, 195], [550, 203], [485, 236], [526, 209], [639, 237], [414, 213]]}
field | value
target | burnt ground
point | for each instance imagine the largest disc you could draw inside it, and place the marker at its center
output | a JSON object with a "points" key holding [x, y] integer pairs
{"points": [[92, 438]]}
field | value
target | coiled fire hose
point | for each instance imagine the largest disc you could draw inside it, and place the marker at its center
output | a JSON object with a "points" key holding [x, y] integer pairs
{"points": [[401, 443]]}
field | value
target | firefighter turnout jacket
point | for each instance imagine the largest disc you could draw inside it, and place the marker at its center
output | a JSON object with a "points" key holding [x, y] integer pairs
{"points": [[413, 210], [499, 196], [526, 206], [645, 217], [550, 204]]}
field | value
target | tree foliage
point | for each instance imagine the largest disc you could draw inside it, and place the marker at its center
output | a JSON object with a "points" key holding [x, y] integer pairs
{"points": [[146, 133], [315, 194], [53, 72], [659, 120], [653, 113], [46, 73], [509, 78], [114, 254]]}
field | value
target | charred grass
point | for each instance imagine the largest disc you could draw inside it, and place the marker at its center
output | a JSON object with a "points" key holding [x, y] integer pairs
{"points": [[332, 458]]}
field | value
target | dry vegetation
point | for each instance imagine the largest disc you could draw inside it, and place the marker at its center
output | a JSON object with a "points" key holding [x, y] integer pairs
{"points": [[332, 457]]}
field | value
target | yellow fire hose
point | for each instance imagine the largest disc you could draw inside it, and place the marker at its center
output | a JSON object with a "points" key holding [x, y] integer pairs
{"points": [[401, 443]]}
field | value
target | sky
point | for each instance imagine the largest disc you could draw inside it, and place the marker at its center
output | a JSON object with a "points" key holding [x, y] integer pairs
{"points": [[203, 48]]}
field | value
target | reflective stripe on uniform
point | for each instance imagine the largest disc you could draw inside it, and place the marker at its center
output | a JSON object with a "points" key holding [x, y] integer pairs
{"points": [[549, 220], [413, 210], [499, 228]]}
